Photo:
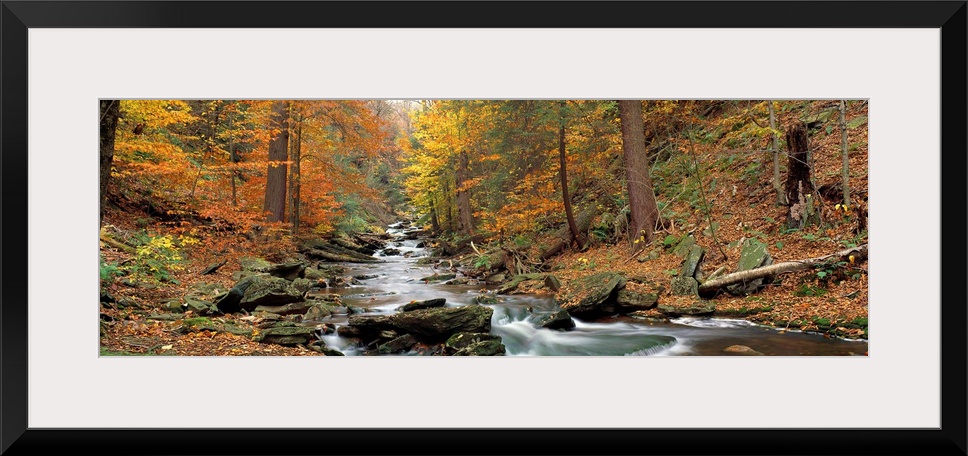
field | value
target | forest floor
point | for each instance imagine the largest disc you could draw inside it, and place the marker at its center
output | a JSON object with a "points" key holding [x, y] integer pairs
{"points": [[834, 304]]}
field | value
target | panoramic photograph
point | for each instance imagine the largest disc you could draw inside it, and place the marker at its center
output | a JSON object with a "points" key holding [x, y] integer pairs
{"points": [[464, 227]]}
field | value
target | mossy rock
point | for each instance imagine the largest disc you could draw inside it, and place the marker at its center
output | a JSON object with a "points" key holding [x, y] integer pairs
{"points": [[631, 301], [254, 264], [287, 335], [589, 294], [685, 286]]}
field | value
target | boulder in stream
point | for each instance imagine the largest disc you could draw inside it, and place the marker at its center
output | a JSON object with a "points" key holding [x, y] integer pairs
{"points": [[557, 320], [398, 345], [741, 350], [426, 304], [474, 344], [589, 294], [433, 325]]}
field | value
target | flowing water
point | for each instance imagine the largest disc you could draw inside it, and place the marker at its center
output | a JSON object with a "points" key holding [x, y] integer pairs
{"points": [[383, 287]]}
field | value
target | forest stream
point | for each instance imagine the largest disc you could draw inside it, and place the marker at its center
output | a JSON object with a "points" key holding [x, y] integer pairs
{"points": [[383, 287]]}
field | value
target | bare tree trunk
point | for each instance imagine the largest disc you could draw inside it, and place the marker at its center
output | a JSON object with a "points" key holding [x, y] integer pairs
{"points": [[275, 202], [563, 168], [233, 158], [845, 174], [110, 111], [799, 185], [434, 220], [464, 196], [780, 195], [642, 205], [859, 253], [295, 179]]}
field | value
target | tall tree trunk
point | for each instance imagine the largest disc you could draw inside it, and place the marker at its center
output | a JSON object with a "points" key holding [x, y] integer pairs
{"points": [[799, 185], [295, 179], [434, 220], [780, 195], [464, 196], [845, 174], [642, 205], [110, 111], [275, 203], [563, 171], [233, 158]]}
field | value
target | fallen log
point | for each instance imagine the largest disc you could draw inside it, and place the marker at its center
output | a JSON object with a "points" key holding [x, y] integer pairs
{"points": [[563, 238], [460, 246], [711, 286], [106, 238]]}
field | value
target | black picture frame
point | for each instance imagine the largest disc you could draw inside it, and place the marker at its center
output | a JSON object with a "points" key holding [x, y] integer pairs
{"points": [[18, 16]]}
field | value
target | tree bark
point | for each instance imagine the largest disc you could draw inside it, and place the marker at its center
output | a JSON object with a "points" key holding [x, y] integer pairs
{"points": [[464, 196], [780, 195], [859, 253], [845, 174], [110, 111], [800, 191], [233, 158], [563, 168], [642, 205], [295, 179], [275, 202]]}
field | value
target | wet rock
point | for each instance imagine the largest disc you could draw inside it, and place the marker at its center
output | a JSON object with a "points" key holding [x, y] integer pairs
{"points": [[365, 276], [432, 325], [685, 286], [463, 340], [457, 281], [390, 252], [632, 301], [438, 278], [427, 304], [350, 332], [753, 255], [398, 345], [589, 294], [741, 350], [317, 311], [485, 299], [321, 347], [558, 320], [483, 348], [699, 307]]}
